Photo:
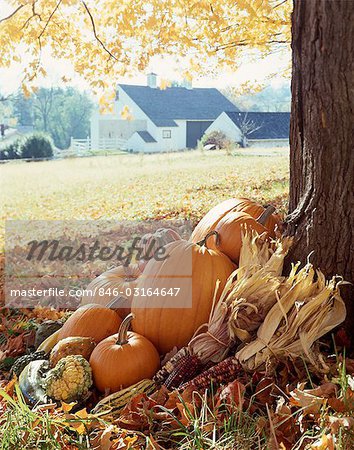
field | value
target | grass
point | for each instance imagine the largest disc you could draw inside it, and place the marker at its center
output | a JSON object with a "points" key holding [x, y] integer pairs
{"points": [[225, 427], [130, 186], [27, 428]]}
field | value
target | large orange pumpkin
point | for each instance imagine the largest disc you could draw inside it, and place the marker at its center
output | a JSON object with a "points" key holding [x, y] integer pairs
{"points": [[123, 359], [94, 321], [152, 242], [212, 218], [118, 282], [171, 320], [228, 233]]}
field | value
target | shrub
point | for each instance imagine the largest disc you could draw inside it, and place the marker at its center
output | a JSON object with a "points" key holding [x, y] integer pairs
{"points": [[36, 146], [11, 151], [31, 147], [217, 138]]}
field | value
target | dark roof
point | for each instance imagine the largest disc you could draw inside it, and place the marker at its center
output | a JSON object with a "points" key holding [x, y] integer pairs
{"points": [[146, 136], [272, 125], [176, 103], [165, 123]]}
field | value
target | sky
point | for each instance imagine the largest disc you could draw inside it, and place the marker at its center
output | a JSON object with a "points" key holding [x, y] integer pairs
{"points": [[260, 71]]}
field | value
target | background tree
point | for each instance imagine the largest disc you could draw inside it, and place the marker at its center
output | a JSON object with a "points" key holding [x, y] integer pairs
{"points": [[258, 98], [247, 127], [62, 113]]}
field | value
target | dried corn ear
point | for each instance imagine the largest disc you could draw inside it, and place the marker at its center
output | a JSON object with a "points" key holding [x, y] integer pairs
{"points": [[221, 373], [165, 371], [187, 368]]}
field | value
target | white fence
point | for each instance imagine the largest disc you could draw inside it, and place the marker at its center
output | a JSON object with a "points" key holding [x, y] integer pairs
{"points": [[84, 146]]}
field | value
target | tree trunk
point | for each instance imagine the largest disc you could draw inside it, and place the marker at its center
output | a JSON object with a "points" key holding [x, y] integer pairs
{"points": [[321, 210]]}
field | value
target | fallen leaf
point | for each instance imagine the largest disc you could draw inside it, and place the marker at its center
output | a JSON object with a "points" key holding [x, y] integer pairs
{"points": [[232, 394], [339, 422], [326, 442], [310, 404]]}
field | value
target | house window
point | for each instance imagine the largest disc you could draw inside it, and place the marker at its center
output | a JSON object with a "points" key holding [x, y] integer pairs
{"points": [[166, 134], [117, 95]]}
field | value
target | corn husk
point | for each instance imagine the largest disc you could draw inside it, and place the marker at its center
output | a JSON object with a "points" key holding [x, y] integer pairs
{"points": [[257, 283], [258, 252], [213, 344], [307, 308], [248, 295]]}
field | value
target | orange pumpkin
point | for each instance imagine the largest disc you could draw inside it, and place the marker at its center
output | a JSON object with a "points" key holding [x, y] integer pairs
{"points": [[228, 233], [171, 320], [94, 321], [117, 283], [123, 359], [212, 218], [152, 242]]}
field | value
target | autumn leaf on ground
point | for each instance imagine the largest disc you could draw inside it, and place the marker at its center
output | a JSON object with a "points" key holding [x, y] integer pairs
{"points": [[232, 394], [326, 442], [338, 422]]}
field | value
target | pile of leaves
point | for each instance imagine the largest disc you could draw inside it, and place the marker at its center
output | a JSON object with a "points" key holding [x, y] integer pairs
{"points": [[18, 331], [283, 407], [290, 387]]}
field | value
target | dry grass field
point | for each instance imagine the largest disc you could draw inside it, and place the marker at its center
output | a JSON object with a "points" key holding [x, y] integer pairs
{"points": [[130, 186]]}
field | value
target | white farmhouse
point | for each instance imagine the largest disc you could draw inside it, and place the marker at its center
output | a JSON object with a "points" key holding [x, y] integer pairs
{"points": [[159, 120]]}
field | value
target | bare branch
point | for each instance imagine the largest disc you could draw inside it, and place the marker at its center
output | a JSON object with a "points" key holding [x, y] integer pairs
{"points": [[279, 4], [95, 33], [34, 14], [12, 14], [49, 19], [248, 126]]}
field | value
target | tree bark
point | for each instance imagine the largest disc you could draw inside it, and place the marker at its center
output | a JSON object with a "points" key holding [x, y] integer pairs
{"points": [[321, 209]]}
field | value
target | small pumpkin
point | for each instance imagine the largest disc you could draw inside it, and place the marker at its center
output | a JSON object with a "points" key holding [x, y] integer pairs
{"points": [[24, 360], [173, 319], [117, 282], [228, 231], [71, 346], [213, 217], [123, 359], [32, 379], [94, 321], [70, 380], [151, 242]]}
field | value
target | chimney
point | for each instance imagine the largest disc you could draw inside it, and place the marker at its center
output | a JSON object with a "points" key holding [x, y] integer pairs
{"points": [[152, 80]]}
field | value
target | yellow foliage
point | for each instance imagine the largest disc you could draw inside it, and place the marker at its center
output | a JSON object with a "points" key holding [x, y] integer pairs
{"points": [[164, 84], [126, 113], [108, 39]]}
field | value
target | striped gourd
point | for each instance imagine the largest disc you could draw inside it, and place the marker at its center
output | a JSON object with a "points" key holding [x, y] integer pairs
{"points": [[114, 403]]}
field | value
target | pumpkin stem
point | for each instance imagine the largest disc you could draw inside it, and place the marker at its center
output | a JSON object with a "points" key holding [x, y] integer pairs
{"points": [[128, 273], [203, 242], [123, 330], [265, 214]]}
